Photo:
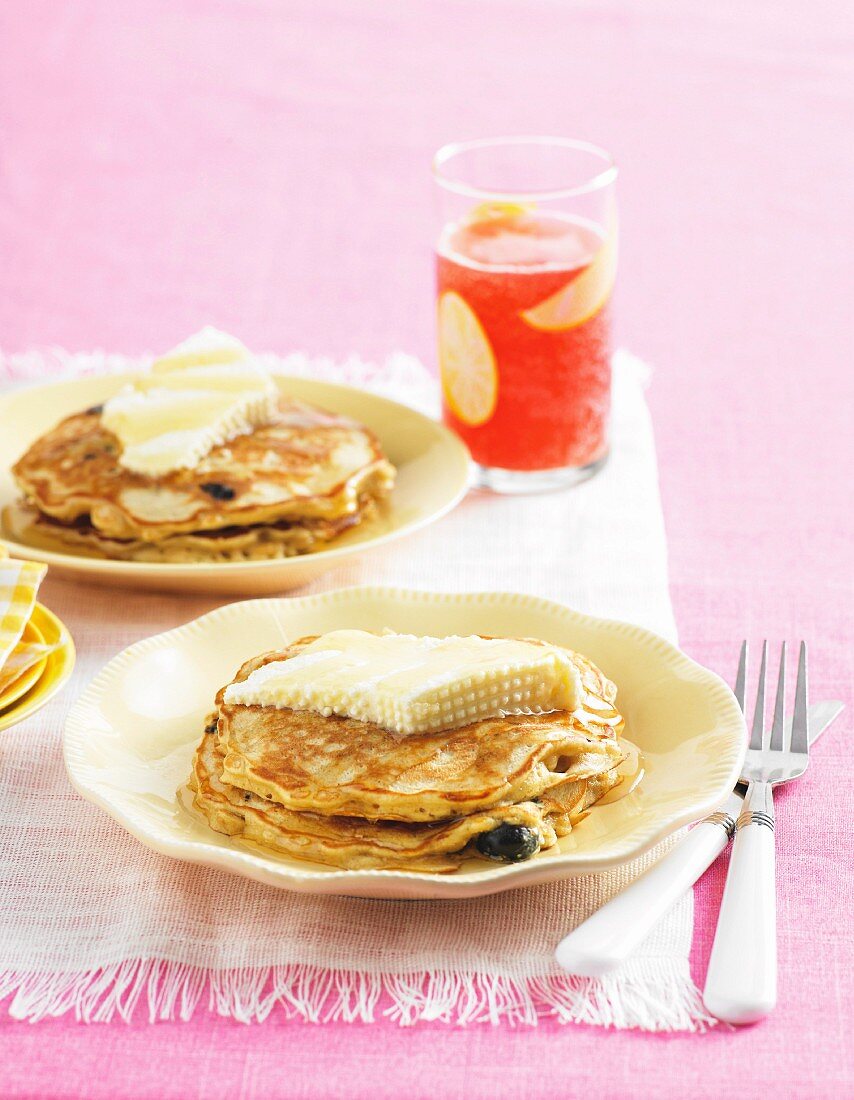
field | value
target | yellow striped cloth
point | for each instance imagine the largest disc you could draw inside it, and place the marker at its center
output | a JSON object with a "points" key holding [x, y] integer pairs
{"points": [[22, 659], [19, 585]]}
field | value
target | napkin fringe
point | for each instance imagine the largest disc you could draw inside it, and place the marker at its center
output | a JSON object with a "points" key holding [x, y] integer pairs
{"points": [[649, 998], [398, 375]]}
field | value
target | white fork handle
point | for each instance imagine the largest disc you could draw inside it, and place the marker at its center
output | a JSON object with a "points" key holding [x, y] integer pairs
{"points": [[612, 933], [741, 984]]}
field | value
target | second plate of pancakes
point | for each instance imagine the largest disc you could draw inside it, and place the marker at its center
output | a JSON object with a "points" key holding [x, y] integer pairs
{"points": [[130, 750], [432, 476]]}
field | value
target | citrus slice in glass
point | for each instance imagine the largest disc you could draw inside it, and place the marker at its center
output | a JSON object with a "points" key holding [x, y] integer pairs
{"points": [[581, 299], [466, 362], [489, 211]]}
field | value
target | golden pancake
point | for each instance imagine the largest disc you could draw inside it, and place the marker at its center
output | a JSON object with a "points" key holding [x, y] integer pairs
{"points": [[306, 464], [284, 539], [339, 766], [356, 844]]}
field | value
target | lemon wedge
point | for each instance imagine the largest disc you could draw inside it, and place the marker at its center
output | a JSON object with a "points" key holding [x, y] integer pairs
{"points": [[581, 299], [489, 211], [466, 362]]}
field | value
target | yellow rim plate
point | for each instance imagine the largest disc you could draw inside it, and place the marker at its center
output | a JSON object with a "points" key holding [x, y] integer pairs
{"points": [[26, 680], [433, 476], [129, 749], [58, 667]]}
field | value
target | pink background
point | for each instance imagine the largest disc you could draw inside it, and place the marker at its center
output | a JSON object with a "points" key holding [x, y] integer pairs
{"points": [[263, 166]]}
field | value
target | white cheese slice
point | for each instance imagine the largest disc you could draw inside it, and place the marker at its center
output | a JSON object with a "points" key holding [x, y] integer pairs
{"points": [[411, 685], [202, 394], [209, 345]]}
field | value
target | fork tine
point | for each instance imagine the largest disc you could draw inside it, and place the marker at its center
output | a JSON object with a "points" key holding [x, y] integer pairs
{"points": [[800, 731], [757, 734], [777, 734], [741, 675]]}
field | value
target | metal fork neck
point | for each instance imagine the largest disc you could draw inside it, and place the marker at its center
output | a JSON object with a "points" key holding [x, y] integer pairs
{"points": [[758, 806]]}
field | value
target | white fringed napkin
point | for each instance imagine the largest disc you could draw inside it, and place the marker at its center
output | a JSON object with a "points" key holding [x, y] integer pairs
{"points": [[93, 923]]}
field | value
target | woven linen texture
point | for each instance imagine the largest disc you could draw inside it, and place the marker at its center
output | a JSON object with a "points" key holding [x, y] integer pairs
{"points": [[94, 923]]}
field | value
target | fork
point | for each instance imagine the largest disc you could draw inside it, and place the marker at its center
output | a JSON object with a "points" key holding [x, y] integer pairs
{"points": [[741, 984]]}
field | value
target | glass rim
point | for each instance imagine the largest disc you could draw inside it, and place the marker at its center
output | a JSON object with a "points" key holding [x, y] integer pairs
{"points": [[599, 180]]}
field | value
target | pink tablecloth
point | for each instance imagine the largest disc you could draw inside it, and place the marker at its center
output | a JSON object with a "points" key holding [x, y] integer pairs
{"points": [[264, 167]]}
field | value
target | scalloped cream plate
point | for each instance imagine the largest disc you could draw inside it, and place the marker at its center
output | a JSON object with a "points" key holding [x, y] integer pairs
{"points": [[432, 477], [129, 739]]}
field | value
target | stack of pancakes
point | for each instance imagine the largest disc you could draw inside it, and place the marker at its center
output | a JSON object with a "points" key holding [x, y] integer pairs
{"points": [[351, 794], [283, 489]]}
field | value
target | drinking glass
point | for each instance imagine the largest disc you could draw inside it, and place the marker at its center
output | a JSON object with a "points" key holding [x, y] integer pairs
{"points": [[526, 259]]}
